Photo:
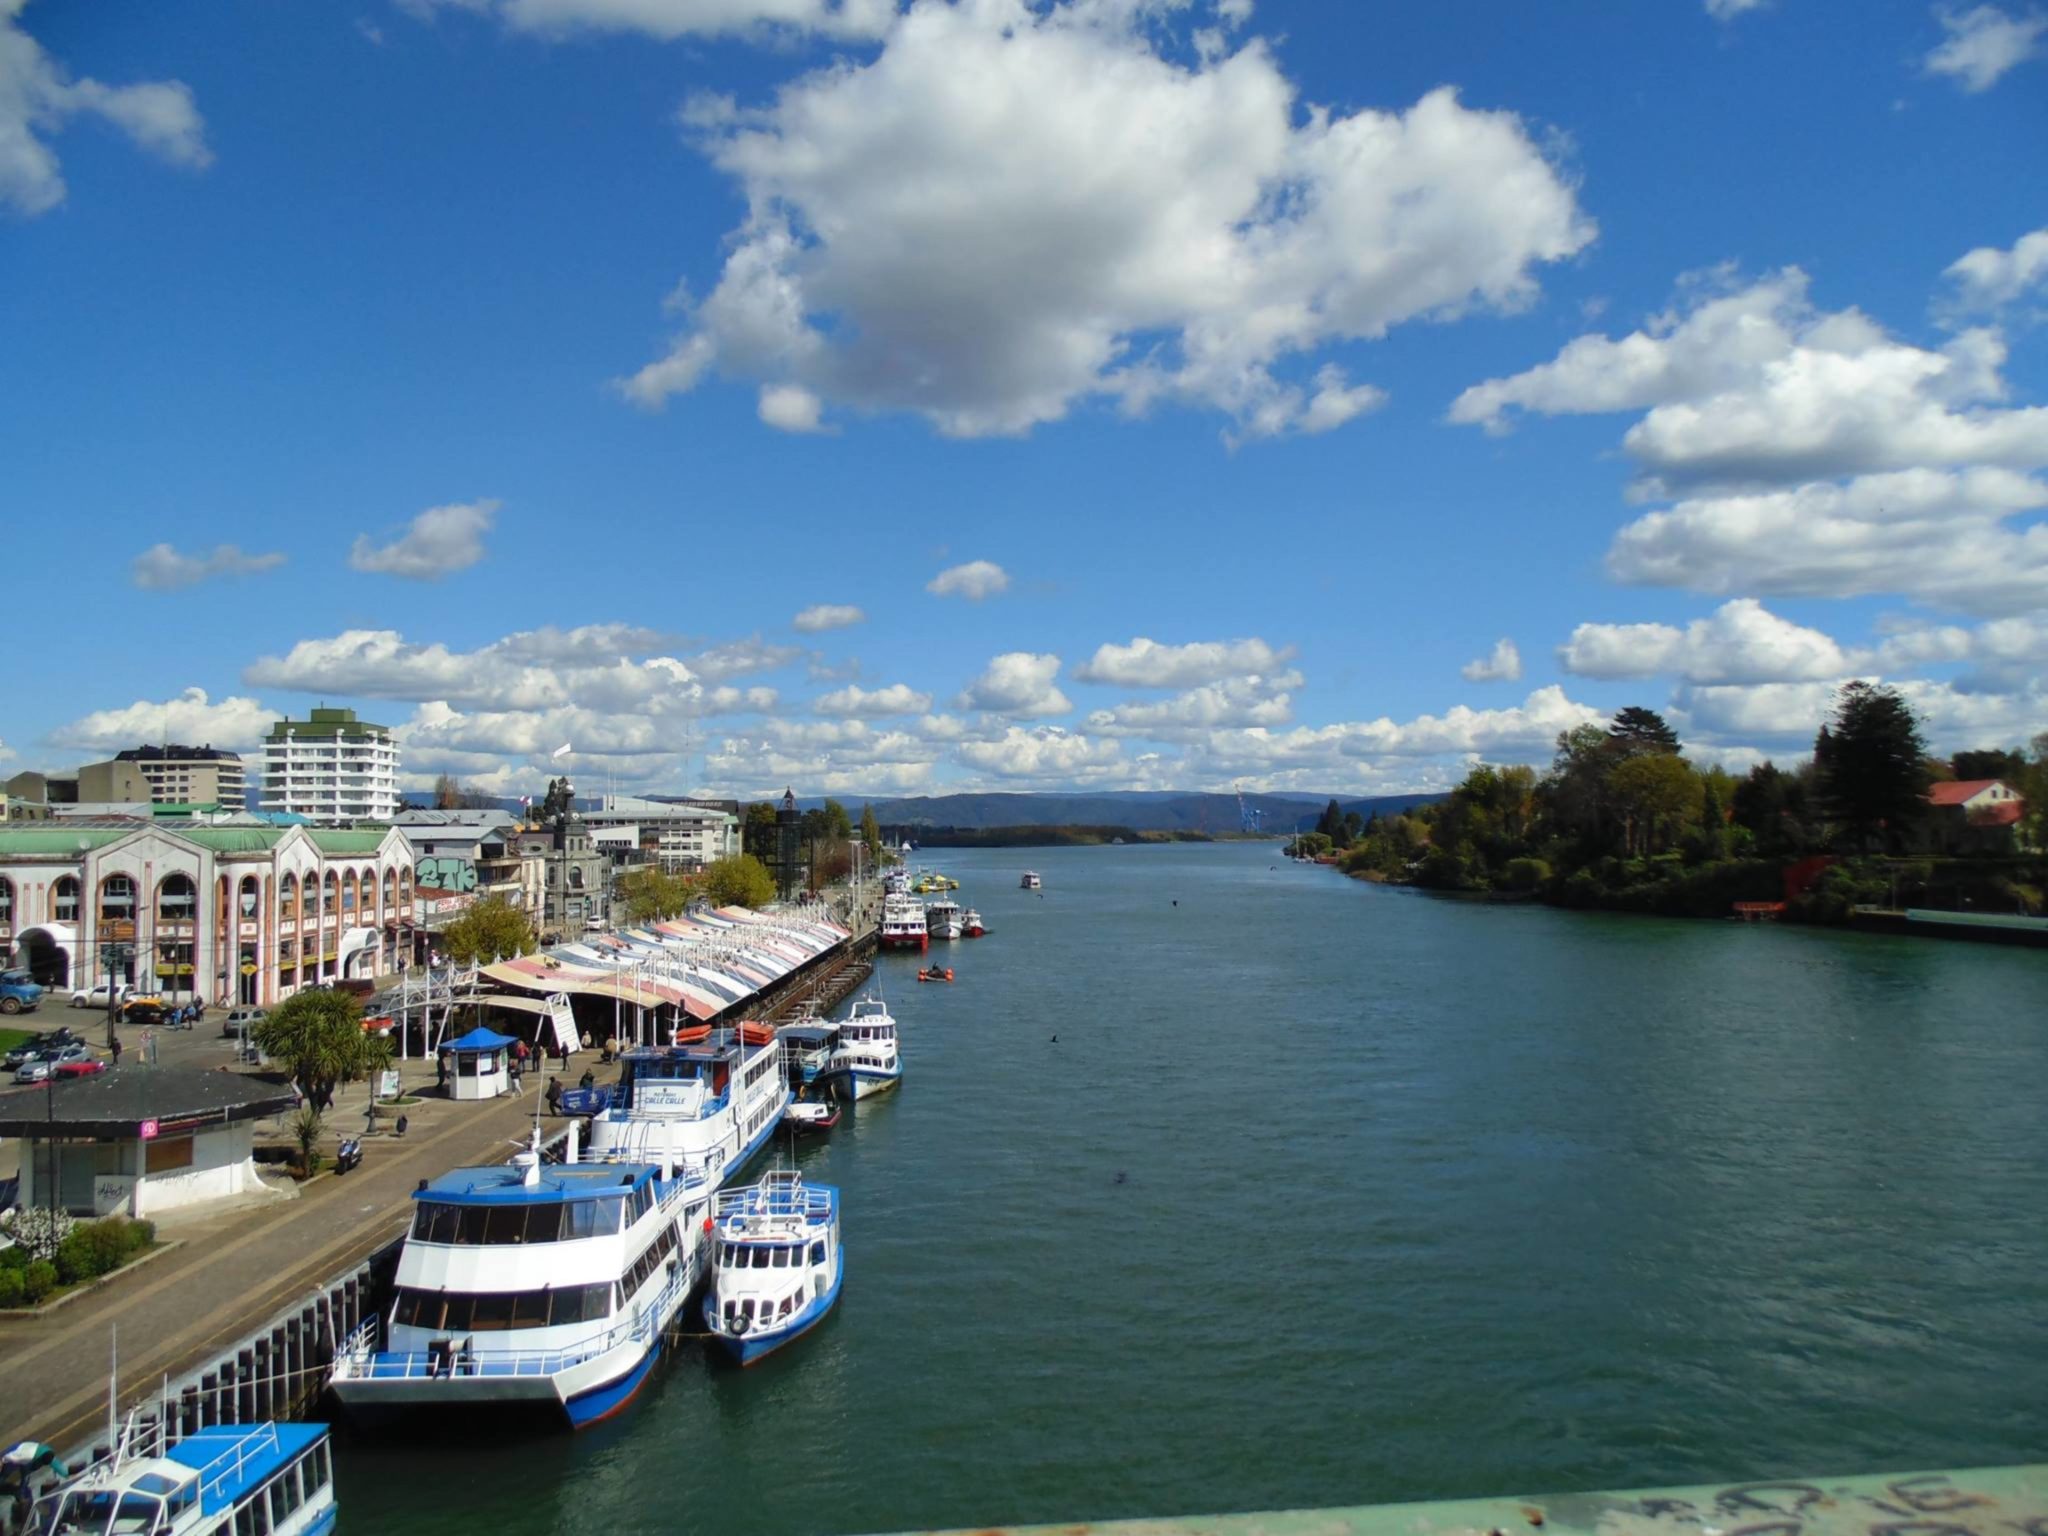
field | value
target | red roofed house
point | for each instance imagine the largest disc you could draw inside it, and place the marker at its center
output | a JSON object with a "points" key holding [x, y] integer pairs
{"points": [[1975, 816]]}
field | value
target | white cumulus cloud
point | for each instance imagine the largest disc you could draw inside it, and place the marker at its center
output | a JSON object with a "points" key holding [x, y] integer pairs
{"points": [[436, 543], [1012, 208], [1149, 664], [1742, 642], [671, 19], [234, 723], [38, 97], [895, 699], [1018, 683], [1989, 279], [161, 568], [1231, 703], [823, 616], [974, 580], [1983, 43], [790, 408], [1044, 752], [1503, 664]]}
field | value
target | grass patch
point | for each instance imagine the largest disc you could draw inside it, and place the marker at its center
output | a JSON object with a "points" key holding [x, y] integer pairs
{"points": [[10, 1038]]}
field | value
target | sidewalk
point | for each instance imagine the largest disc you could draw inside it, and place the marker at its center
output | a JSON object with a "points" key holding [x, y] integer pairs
{"points": [[234, 1270]]}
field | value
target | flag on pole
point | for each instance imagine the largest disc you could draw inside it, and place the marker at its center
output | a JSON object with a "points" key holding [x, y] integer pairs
{"points": [[561, 751]]}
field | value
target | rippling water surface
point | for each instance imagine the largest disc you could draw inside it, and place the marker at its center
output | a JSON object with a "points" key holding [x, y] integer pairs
{"points": [[1330, 1194]]}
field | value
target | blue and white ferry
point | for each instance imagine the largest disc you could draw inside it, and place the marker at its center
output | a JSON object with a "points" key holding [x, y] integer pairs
{"points": [[778, 1266], [864, 1059], [234, 1478], [531, 1286], [712, 1102]]}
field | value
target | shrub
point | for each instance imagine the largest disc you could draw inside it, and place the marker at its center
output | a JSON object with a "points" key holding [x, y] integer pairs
{"points": [[13, 1259], [38, 1280], [95, 1248], [1525, 874], [140, 1235], [40, 1231], [11, 1288]]}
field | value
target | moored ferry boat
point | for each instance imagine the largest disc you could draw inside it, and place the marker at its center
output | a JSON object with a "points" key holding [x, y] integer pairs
{"points": [[531, 1286], [971, 924], [942, 919], [778, 1263], [903, 924], [1031, 882], [709, 1102], [232, 1478], [865, 1061]]}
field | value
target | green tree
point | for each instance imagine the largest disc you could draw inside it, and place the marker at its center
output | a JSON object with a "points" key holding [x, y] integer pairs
{"points": [[757, 830], [651, 893], [317, 1037], [1875, 777], [1991, 763], [741, 880], [838, 825], [870, 833], [1637, 730], [491, 929], [1657, 795]]}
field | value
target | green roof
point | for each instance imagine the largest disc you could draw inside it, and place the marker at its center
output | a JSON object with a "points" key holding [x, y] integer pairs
{"points": [[347, 840], [168, 809], [47, 842], [326, 722], [231, 839]]}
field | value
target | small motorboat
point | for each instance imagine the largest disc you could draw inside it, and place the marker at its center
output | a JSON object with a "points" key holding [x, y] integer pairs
{"points": [[809, 1119], [936, 973], [971, 924], [1031, 882]]}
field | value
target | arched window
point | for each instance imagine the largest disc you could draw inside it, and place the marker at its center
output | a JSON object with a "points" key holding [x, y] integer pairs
{"points": [[405, 888], [332, 901], [64, 900], [246, 897], [7, 902], [177, 899], [575, 877], [288, 898], [117, 899], [390, 891], [348, 893]]}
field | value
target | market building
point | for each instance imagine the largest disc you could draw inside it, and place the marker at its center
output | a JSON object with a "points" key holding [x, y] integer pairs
{"points": [[244, 914]]}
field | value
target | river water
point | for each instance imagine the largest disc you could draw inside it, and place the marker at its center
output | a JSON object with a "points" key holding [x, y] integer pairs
{"points": [[1332, 1194]]}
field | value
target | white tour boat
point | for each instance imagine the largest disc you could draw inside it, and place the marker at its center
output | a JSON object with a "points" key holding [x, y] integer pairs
{"points": [[942, 919], [971, 924], [711, 1101], [903, 923], [233, 1478], [1031, 882], [864, 1058], [534, 1286], [778, 1265]]}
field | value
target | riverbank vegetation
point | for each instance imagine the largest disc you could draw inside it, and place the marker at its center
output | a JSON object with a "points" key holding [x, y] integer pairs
{"points": [[1622, 820]]}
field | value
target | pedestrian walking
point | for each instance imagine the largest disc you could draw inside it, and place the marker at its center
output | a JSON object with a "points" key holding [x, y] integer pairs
{"points": [[554, 1095], [115, 1047]]}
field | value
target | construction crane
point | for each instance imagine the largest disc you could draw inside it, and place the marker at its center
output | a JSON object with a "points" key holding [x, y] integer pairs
{"points": [[1249, 817]]}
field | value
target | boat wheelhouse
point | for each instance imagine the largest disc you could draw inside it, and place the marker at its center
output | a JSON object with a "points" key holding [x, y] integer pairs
{"points": [[709, 1104], [1031, 882], [903, 924], [531, 1286], [244, 1479], [778, 1263], [942, 919], [865, 1061]]}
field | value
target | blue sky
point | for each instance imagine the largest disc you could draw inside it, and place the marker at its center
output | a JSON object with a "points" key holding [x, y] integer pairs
{"points": [[518, 371]]}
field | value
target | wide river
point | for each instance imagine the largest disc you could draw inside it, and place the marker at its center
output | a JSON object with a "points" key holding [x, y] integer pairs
{"points": [[1216, 1183]]}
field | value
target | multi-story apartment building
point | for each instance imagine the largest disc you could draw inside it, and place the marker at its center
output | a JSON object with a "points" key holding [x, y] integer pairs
{"points": [[332, 768], [681, 835], [181, 775]]}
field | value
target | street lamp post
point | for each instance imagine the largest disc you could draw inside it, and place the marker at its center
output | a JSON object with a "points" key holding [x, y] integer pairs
{"points": [[116, 955]]}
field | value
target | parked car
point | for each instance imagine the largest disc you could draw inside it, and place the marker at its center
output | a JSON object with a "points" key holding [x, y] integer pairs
{"points": [[84, 1068], [95, 996], [240, 1019], [45, 1064], [48, 1040], [34, 1070], [18, 992]]}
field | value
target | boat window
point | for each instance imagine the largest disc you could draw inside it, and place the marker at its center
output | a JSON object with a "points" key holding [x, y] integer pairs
{"points": [[284, 1496], [817, 1253], [456, 1318], [316, 1464], [530, 1309], [252, 1519], [596, 1218], [781, 1259], [506, 1224], [493, 1312], [470, 1228], [544, 1223]]}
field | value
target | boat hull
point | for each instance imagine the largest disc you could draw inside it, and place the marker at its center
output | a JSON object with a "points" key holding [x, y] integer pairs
{"points": [[578, 1395], [863, 1084], [754, 1345]]}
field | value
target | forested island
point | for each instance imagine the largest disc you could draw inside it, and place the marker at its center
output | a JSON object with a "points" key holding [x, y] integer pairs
{"points": [[1622, 821]]}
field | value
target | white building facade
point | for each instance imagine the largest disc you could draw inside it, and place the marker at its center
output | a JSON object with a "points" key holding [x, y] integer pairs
{"points": [[331, 768]]}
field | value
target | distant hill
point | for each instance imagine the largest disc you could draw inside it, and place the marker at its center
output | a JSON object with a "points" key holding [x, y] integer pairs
{"points": [[1142, 810]]}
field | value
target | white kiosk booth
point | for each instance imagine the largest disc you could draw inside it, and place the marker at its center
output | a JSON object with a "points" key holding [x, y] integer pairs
{"points": [[479, 1067]]}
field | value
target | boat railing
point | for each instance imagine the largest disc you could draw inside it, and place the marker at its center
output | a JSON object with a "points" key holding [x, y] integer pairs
{"points": [[780, 1198], [230, 1463], [361, 1360]]}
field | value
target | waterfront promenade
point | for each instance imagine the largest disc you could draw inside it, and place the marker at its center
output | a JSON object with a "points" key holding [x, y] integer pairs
{"points": [[233, 1269]]}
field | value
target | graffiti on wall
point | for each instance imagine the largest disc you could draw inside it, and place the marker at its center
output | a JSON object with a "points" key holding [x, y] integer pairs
{"points": [[441, 873]]}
